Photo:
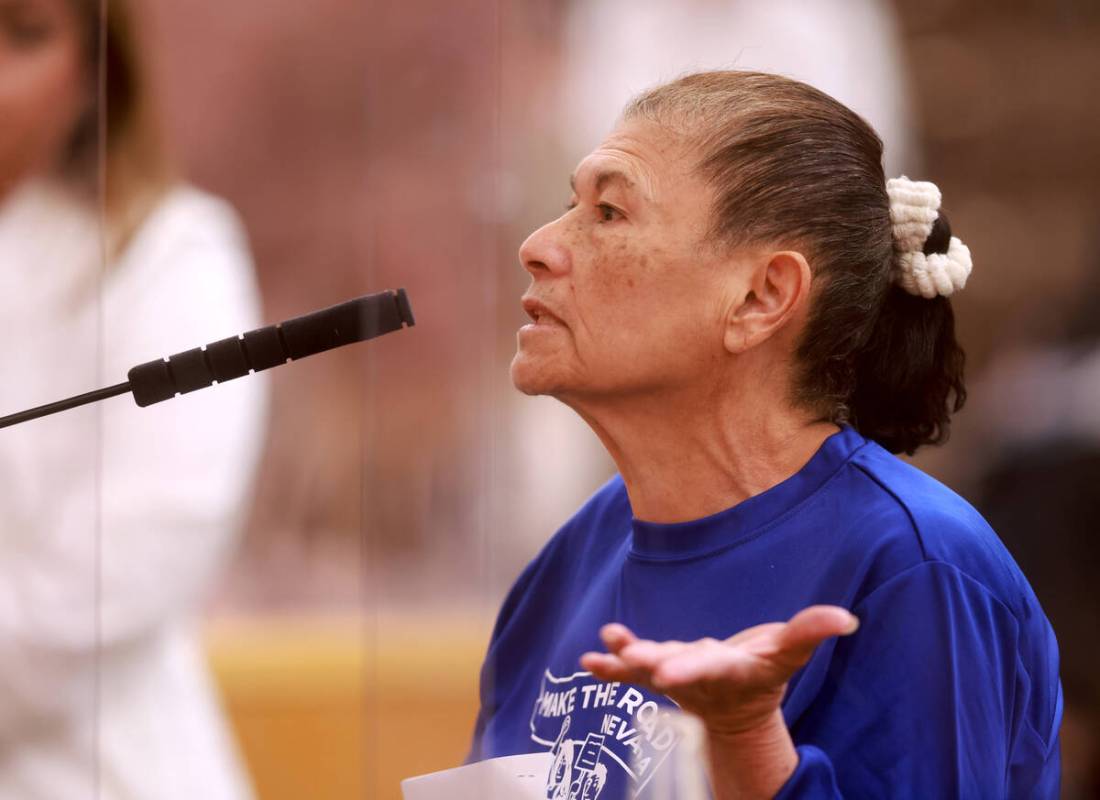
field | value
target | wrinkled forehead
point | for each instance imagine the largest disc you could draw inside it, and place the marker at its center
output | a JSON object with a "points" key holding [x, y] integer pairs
{"points": [[642, 156]]}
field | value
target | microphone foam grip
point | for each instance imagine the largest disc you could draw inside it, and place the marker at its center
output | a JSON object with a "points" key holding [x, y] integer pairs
{"points": [[354, 321]]}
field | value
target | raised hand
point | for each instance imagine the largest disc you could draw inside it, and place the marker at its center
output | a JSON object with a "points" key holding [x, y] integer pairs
{"points": [[735, 686]]}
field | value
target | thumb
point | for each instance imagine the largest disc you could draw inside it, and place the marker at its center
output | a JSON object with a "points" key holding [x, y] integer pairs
{"points": [[809, 628]]}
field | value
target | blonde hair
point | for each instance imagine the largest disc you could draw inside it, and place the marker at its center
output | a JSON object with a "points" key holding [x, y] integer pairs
{"points": [[119, 127]]}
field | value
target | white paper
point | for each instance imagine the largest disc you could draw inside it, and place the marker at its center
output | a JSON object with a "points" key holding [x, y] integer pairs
{"points": [[521, 777]]}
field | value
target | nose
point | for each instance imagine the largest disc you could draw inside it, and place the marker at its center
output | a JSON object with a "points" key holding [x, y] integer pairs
{"points": [[544, 253]]}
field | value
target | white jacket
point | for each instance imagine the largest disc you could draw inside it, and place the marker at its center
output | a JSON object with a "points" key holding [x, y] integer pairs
{"points": [[114, 520]]}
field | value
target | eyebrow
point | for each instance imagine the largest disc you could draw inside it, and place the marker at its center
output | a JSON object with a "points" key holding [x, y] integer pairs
{"points": [[603, 178]]}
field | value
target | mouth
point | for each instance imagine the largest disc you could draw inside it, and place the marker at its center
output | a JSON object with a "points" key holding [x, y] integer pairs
{"points": [[539, 313]]}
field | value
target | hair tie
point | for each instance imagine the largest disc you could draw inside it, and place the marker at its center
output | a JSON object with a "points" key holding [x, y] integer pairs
{"points": [[914, 211]]}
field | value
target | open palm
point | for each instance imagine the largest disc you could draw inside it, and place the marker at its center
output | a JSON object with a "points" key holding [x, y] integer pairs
{"points": [[734, 684]]}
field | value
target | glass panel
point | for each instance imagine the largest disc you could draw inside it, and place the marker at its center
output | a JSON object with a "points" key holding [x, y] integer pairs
{"points": [[282, 586], [54, 246]]}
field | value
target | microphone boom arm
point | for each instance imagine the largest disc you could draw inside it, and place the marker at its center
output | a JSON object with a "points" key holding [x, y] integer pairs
{"points": [[226, 359]]}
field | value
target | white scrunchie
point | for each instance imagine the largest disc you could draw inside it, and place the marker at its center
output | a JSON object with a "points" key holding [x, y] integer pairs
{"points": [[914, 206]]}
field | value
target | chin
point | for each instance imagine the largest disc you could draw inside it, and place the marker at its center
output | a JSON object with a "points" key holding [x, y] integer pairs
{"points": [[526, 377], [532, 377]]}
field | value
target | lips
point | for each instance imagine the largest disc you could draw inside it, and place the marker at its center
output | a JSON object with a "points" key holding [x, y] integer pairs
{"points": [[540, 313]]}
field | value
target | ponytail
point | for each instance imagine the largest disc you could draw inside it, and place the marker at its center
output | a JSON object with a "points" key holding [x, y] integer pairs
{"points": [[909, 375]]}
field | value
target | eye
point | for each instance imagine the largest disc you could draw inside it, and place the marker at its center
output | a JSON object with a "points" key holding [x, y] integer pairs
{"points": [[608, 213], [24, 30]]}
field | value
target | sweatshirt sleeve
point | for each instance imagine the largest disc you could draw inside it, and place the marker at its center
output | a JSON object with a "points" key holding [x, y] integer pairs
{"points": [[939, 694]]}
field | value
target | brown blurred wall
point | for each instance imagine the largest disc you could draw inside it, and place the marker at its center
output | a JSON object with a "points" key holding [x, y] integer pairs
{"points": [[363, 143]]}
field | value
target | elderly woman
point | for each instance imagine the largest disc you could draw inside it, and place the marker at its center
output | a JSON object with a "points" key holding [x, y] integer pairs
{"points": [[753, 320]]}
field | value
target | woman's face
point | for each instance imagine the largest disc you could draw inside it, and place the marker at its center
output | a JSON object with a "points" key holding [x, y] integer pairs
{"points": [[626, 295], [43, 88]]}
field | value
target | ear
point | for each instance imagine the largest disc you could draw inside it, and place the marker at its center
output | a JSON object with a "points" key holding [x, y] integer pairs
{"points": [[778, 287]]}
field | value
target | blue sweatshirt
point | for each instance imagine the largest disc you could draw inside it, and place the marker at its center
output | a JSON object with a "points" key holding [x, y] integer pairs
{"points": [[948, 689]]}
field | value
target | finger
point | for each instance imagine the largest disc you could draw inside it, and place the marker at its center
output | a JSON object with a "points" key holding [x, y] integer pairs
{"points": [[644, 654], [608, 667], [809, 628], [616, 636], [756, 630]]}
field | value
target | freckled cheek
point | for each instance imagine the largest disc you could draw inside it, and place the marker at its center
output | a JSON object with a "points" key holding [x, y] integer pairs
{"points": [[618, 291], [600, 280]]}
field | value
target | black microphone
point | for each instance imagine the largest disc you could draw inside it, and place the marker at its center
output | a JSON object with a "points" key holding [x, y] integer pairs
{"points": [[226, 359]]}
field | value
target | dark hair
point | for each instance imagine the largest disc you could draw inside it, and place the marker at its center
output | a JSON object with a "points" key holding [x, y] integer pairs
{"points": [[119, 122], [790, 164]]}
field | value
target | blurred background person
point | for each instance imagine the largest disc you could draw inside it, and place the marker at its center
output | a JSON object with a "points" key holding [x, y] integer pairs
{"points": [[1037, 480], [1043, 496], [114, 520], [850, 47]]}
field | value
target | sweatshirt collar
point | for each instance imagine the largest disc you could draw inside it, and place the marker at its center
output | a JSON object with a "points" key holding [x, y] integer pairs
{"points": [[699, 537]]}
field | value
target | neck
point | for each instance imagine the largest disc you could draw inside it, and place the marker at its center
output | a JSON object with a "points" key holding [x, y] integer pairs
{"points": [[714, 450]]}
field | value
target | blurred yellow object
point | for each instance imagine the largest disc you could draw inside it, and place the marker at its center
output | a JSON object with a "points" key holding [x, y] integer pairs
{"points": [[343, 709]]}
